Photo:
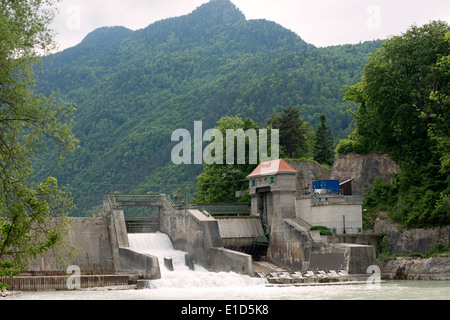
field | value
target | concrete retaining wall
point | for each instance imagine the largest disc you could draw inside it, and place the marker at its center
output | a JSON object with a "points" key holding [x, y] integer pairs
{"points": [[198, 234], [143, 264], [193, 232], [228, 260], [47, 283], [293, 247], [101, 248], [290, 244], [94, 254]]}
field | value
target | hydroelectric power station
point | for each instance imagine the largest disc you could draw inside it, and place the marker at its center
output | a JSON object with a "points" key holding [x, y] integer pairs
{"points": [[276, 239]]}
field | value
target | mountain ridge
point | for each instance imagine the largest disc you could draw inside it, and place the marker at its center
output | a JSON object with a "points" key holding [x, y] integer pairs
{"points": [[133, 92]]}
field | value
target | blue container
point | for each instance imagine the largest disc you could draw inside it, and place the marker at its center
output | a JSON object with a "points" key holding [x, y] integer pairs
{"points": [[332, 185]]}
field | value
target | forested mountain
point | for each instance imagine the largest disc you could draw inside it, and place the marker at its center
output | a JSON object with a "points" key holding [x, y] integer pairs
{"points": [[132, 89]]}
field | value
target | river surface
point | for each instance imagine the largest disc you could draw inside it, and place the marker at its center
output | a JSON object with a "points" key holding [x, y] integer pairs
{"points": [[185, 284], [390, 290]]}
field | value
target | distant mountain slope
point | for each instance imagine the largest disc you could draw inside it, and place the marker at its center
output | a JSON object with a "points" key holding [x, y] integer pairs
{"points": [[132, 89]]}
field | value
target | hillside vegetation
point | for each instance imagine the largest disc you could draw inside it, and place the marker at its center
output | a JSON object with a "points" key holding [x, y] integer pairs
{"points": [[404, 107], [132, 89]]}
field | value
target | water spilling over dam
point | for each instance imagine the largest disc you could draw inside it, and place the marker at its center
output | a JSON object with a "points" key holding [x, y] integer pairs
{"points": [[159, 244]]}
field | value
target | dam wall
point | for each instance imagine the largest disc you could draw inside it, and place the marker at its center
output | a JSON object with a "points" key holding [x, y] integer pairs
{"points": [[295, 247], [92, 250], [100, 246], [197, 232]]}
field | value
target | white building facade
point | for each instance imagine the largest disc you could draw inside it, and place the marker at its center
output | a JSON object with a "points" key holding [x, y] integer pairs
{"points": [[340, 214]]}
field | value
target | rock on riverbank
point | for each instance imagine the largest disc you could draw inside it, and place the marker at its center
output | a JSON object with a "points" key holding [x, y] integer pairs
{"points": [[408, 268]]}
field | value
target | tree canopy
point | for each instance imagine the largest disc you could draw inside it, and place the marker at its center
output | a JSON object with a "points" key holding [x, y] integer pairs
{"points": [[404, 104], [32, 211], [219, 182]]}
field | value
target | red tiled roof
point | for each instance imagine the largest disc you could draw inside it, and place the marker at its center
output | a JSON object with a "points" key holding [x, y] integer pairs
{"points": [[272, 167]]}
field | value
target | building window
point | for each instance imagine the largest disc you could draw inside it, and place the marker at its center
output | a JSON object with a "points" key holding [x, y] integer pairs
{"points": [[253, 183], [272, 180]]}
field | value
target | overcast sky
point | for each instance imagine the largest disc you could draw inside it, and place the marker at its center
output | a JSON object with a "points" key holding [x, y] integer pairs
{"points": [[319, 22]]}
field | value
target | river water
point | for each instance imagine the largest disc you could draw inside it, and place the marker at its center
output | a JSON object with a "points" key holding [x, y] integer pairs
{"points": [[184, 284], [390, 290]]}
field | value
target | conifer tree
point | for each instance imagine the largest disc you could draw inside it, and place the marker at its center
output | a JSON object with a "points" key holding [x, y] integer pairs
{"points": [[323, 145], [292, 131]]}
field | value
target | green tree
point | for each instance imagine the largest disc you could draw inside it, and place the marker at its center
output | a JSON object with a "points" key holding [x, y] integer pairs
{"points": [[219, 182], [32, 213], [323, 143], [292, 131], [403, 110]]}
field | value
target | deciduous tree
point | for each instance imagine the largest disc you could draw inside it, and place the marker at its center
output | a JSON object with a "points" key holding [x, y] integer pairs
{"points": [[404, 109], [32, 213]]}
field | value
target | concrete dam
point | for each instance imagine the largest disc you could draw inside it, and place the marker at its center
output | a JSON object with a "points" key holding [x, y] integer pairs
{"points": [[105, 255], [276, 232]]}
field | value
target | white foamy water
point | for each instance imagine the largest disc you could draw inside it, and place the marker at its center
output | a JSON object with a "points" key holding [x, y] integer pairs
{"points": [[159, 245]]}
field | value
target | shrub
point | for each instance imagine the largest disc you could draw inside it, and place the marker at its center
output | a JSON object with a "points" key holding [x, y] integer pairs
{"points": [[437, 249], [324, 231]]}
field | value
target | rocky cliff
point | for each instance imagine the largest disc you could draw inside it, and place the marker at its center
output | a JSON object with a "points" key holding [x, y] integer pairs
{"points": [[309, 171], [400, 240], [363, 168]]}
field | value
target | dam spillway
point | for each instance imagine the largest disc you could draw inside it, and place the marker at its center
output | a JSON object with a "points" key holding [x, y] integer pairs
{"points": [[159, 244], [245, 234]]}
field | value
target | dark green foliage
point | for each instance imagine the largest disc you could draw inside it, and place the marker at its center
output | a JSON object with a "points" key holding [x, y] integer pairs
{"points": [[33, 212], [324, 231], [292, 131], [437, 249], [323, 143], [404, 104], [219, 182], [134, 88]]}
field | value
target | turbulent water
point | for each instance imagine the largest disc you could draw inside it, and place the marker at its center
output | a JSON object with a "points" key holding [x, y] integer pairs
{"points": [[159, 245], [200, 284]]}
